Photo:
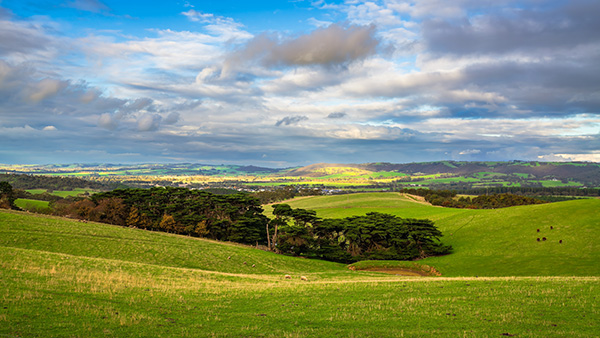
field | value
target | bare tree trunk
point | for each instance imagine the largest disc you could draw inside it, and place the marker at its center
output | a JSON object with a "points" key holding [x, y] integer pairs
{"points": [[268, 238], [275, 237]]}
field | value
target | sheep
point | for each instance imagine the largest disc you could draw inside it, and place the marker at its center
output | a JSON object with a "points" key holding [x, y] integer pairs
{"points": [[229, 257], [303, 278], [288, 277], [253, 265]]}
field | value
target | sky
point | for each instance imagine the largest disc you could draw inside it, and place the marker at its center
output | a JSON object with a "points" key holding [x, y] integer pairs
{"points": [[295, 82]]}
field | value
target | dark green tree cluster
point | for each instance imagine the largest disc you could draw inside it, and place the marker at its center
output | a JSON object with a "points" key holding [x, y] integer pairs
{"points": [[236, 218], [496, 201], [23, 181], [373, 236], [535, 191], [446, 198], [7, 196], [276, 194]]}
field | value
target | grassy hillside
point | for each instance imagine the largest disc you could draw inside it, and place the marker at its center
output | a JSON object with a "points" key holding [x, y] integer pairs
{"points": [[95, 240], [501, 242], [62, 278], [32, 205]]}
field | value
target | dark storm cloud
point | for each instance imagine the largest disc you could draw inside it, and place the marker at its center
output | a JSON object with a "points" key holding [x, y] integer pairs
{"points": [[574, 24], [555, 88], [543, 60]]}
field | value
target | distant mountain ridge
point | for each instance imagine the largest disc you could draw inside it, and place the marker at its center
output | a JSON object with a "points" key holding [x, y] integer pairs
{"points": [[585, 172], [465, 167], [574, 174]]}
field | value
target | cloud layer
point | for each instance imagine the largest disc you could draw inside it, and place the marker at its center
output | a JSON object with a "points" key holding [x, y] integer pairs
{"points": [[355, 81]]}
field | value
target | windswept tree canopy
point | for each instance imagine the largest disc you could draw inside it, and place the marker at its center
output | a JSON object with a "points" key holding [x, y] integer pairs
{"points": [[372, 236]]}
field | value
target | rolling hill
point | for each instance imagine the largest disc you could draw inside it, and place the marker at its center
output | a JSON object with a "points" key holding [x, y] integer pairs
{"points": [[61, 277], [449, 174], [499, 242]]}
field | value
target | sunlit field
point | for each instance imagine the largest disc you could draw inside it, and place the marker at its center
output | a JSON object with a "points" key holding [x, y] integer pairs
{"points": [[67, 278]]}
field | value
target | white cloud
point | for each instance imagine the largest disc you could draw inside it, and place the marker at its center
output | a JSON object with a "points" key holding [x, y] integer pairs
{"points": [[593, 157], [330, 46], [149, 122], [107, 121], [46, 88], [347, 87], [470, 152]]}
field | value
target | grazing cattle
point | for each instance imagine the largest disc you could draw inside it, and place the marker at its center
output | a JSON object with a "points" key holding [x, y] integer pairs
{"points": [[551, 227], [538, 239], [288, 277], [303, 278], [538, 230], [560, 241], [244, 263], [543, 238], [253, 265], [229, 257]]}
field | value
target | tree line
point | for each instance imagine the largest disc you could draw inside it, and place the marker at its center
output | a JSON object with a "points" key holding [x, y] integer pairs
{"points": [[447, 198], [234, 217], [26, 181], [535, 191], [286, 192], [239, 218]]}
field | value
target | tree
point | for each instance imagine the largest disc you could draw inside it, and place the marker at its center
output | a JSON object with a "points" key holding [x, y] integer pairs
{"points": [[282, 213], [167, 223], [133, 220], [112, 211], [7, 196]]}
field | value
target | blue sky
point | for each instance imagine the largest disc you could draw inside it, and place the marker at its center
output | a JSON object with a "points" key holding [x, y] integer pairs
{"points": [[285, 83]]}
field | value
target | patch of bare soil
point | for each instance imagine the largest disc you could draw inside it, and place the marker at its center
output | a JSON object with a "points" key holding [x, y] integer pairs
{"points": [[399, 272], [416, 198]]}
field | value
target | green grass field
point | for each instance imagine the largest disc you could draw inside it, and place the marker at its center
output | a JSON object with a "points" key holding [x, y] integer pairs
{"points": [[62, 193], [500, 242], [32, 205], [63, 278]]}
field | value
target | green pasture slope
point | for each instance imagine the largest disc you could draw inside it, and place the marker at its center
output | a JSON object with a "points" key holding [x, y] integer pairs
{"points": [[32, 205], [62, 193], [63, 278], [500, 242]]}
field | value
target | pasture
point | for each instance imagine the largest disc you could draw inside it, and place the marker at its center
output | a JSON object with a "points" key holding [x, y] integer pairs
{"points": [[498, 242], [62, 278], [33, 205]]}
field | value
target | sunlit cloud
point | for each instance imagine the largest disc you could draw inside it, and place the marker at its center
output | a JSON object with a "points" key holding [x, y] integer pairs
{"points": [[352, 81]]}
